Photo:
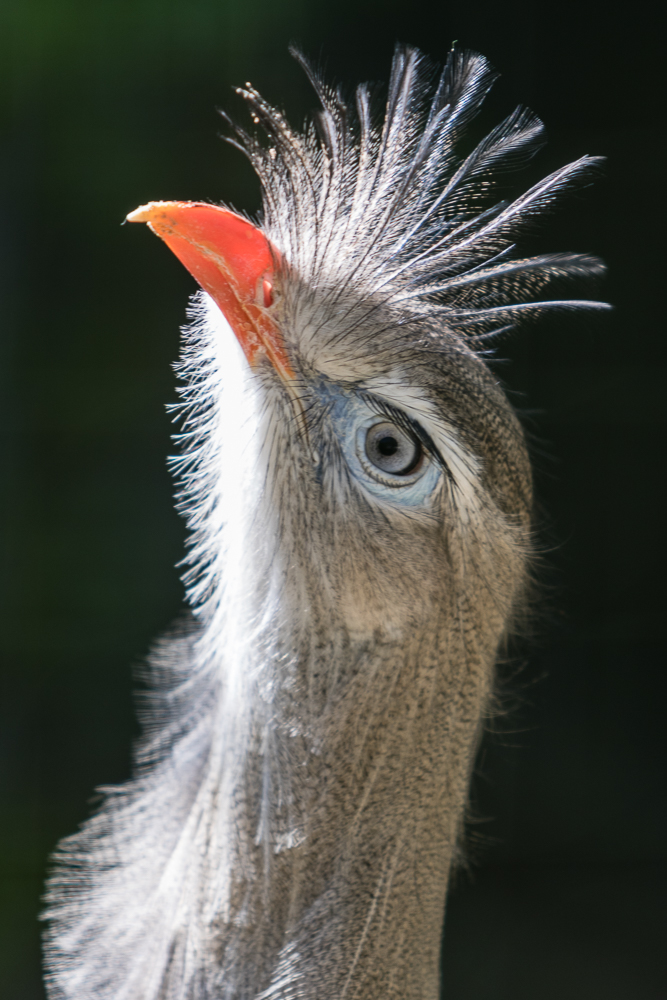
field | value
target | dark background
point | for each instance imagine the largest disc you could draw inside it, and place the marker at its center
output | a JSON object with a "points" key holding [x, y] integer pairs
{"points": [[106, 105]]}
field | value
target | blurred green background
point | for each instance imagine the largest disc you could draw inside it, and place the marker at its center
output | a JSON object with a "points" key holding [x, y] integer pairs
{"points": [[105, 105]]}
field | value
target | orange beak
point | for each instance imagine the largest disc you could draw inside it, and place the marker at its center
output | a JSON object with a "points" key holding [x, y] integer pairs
{"points": [[232, 261]]}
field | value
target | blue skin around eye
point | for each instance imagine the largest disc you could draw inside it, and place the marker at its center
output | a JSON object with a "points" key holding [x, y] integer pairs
{"points": [[351, 415]]}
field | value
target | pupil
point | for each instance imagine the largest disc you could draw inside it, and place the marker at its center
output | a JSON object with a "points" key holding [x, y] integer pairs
{"points": [[388, 446]]}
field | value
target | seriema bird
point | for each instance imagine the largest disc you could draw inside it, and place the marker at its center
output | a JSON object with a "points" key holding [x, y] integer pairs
{"points": [[358, 493]]}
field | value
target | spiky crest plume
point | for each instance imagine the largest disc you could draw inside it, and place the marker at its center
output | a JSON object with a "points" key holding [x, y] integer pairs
{"points": [[394, 210]]}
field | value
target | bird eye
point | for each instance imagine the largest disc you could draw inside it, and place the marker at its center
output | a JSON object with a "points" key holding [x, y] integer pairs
{"points": [[391, 450]]}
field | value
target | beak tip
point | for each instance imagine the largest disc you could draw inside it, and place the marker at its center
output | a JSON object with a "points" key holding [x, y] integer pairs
{"points": [[141, 214]]}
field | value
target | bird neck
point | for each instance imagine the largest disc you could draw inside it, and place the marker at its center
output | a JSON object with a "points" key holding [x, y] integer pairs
{"points": [[349, 798]]}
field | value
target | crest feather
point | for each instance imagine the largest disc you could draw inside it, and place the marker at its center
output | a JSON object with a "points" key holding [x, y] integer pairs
{"points": [[392, 207]]}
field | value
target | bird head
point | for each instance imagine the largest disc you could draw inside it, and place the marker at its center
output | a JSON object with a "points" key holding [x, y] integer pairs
{"points": [[391, 463]]}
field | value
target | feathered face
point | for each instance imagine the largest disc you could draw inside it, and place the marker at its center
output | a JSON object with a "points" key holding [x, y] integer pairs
{"points": [[390, 454]]}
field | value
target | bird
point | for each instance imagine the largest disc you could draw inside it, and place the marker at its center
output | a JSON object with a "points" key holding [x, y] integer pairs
{"points": [[358, 493]]}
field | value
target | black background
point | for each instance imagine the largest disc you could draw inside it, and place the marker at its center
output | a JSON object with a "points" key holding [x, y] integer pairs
{"points": [[107, 105]]}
